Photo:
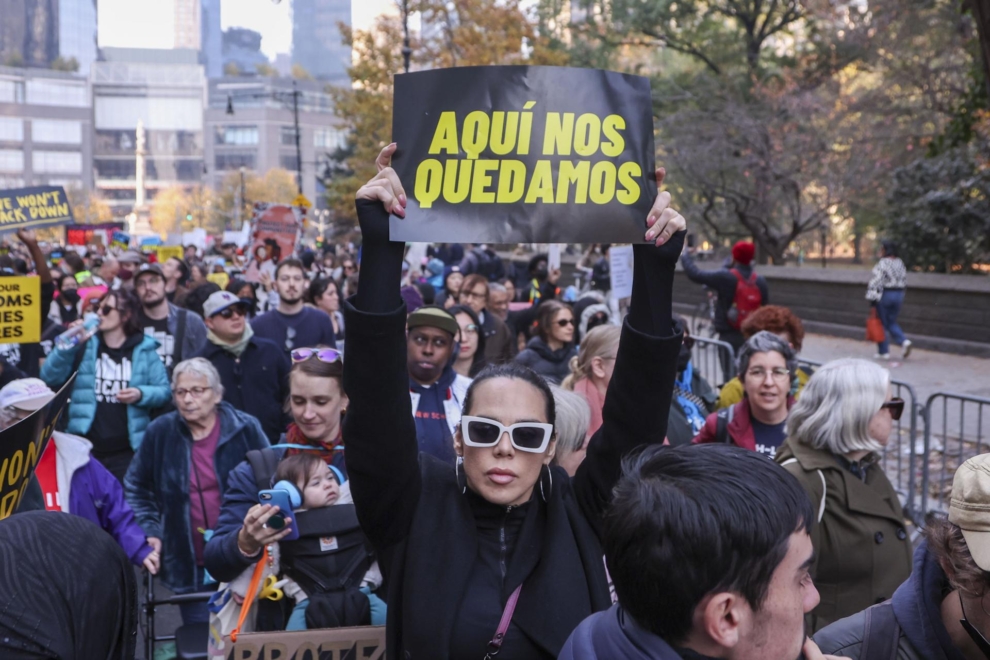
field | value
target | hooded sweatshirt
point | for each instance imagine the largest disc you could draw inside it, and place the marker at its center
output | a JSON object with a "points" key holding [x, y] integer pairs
{"points": [[917, 607], [614, 634]]}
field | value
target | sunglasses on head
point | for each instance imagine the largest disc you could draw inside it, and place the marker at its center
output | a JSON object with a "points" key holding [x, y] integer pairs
{"points": [[525, 436], [565, 322], [230, 311], [896, 408], [328, 355]]}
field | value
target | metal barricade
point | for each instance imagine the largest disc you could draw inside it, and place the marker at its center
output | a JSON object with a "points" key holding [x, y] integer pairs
{"points": [[954, 432], [714, 360], [903, 444]]}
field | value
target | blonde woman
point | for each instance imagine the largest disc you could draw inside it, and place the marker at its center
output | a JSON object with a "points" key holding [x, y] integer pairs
{"points": [[591, 370]]}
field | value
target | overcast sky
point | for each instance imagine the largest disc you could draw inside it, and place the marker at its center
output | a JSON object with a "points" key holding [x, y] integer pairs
{"points": [[151, 23]]}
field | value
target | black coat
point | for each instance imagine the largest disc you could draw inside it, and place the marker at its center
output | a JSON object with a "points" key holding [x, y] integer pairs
{"points": [[421, 525], [553, 365], [257, 383]]}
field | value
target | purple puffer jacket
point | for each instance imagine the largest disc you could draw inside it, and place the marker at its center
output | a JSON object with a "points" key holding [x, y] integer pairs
{"points": [[97, 496]]}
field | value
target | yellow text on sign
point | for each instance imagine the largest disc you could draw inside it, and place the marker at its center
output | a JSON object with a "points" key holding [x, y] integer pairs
{"points": [[20, 310]]}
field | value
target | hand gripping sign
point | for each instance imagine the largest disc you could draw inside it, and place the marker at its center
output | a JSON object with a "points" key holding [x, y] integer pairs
{"points": [[523, 154]]}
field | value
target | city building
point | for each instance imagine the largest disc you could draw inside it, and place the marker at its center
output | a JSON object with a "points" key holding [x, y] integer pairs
{"points": [[28, 32], [260, 134], [45, 129], [211, 38], [317, 45], [187, 22], [77, 32], [242, 52], [163, 89]]}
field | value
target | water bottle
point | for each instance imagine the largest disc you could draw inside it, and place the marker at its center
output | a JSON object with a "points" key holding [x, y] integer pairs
{"points": [[77, 335]]}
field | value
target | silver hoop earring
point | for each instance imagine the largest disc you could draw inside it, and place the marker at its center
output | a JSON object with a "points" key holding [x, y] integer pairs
{"points": [[543, 493]]}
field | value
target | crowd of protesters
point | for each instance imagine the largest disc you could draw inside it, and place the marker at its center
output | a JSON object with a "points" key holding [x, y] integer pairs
{"points": [[504, 468]]}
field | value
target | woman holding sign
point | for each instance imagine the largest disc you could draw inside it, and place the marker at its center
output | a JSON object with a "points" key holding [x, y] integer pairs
{"points": [[505, 538]]}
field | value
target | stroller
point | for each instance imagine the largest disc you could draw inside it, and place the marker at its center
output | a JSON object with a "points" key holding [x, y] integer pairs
{"points": [[190, 640]]}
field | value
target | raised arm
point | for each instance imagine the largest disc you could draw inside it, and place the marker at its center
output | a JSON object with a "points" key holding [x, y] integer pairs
{"points": [[637, 403], [711, 278], [379, 433]]}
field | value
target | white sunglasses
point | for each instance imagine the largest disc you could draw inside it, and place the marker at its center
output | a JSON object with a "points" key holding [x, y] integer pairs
{"points": [[525, 436]]}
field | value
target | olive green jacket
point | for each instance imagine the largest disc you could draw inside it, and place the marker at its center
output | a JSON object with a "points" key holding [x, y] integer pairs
{"points": [[862, 549]]}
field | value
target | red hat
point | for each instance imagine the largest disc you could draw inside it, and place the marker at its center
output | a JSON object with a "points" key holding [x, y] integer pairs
{"points": [[743, 252]]}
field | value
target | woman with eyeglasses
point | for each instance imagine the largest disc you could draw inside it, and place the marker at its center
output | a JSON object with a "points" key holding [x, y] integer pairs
{"points": [[767, 366], [317, 404], [501, 552], [180, 473], [835, 436], [550, 352], [120, 381], [471, 354]]}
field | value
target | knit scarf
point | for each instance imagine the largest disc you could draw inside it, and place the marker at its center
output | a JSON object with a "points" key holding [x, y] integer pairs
{"points": [[238, 347], [596, 402], [294, 436]]}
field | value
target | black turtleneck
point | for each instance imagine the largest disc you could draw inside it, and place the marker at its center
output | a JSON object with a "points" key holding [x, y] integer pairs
{"points": [[497, 571]]}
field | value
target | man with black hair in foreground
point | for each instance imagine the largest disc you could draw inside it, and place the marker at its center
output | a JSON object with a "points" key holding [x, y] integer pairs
{"points": [[709, 551]]}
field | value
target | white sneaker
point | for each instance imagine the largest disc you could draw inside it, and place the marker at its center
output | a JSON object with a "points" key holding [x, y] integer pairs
{"points": [[906, 349], [882, 356]]}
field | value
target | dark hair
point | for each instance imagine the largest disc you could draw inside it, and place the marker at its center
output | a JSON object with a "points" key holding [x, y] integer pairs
{"points": [[520, 372], [775, 319], [307, 258], [74, 260], [290, 263], [948, 545], [297, 469], [194, 301], [427, 291], [479, 362], [545, 314], [889, 248], [535, 261], [318, 287], [129, 308], [200, 267], [690, 521], [20, 266], [183, 270]]}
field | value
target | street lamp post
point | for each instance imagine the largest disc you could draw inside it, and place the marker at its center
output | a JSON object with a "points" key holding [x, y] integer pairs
{"points": [[281, 97], [406, 49], [824, 230]]}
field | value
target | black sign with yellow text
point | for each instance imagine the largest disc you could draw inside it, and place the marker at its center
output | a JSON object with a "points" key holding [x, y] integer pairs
{"points": [[40, 206], [523, 154]]}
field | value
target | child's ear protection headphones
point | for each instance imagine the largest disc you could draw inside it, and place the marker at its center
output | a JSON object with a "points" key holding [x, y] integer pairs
{"points": [[295, 497]]}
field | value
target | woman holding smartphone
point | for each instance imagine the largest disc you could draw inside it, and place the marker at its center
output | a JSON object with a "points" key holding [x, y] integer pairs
{"points": [[180, 473], [501, 553]]}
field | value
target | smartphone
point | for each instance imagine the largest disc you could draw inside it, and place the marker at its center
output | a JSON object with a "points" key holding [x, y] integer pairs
{"points": [[279, 498]]}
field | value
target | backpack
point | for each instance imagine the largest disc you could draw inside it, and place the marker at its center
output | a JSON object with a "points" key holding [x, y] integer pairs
{"points": [[881, 633], [746, 301]]}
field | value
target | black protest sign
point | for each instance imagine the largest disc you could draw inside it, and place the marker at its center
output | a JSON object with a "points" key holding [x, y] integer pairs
{"points": [[523, 154], [21, 446], [40, 206]]}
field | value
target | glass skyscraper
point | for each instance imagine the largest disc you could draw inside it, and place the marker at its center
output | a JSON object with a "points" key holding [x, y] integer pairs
{"points": [[317, 44], [77, 32]]}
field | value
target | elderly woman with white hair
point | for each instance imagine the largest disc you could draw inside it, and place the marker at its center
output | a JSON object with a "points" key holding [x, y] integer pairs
{"points": [[573, 418], [835, 434], [179, 475]]}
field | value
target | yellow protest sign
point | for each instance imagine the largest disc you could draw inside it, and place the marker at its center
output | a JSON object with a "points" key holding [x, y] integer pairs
{"points": [[20, 310], [166, 252], [220, 279]]}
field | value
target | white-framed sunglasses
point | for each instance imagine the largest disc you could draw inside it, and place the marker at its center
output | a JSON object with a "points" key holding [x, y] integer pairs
{"points": [[525, 436]]}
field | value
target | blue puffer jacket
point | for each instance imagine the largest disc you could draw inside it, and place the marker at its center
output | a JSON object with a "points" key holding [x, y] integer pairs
{"points": [[147, 374], [157, 484]]}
